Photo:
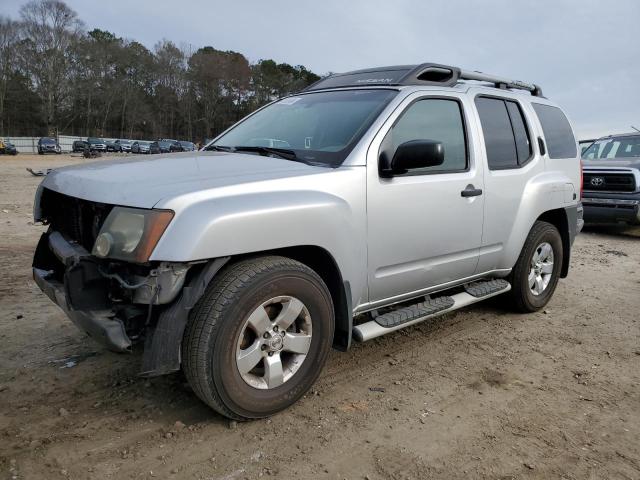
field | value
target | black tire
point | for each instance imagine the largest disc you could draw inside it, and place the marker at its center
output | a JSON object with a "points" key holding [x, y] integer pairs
{"points": [[217, 321], [523, 299]]}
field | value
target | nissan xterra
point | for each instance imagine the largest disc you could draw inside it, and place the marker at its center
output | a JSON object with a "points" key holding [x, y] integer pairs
{"points": [[366, 203]]}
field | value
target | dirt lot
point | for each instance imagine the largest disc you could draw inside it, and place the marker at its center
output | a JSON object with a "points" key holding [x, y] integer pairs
{"points": [[482, 393]]}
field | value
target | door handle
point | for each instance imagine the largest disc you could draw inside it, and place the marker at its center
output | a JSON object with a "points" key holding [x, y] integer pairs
{"points": [[471, 191], [541, 146]]}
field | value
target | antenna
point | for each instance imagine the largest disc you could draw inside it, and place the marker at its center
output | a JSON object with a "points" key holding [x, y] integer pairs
{"points": [[635, 128]]}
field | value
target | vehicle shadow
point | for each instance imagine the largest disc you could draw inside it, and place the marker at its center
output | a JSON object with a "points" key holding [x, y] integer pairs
{"points": [[613, 230]]}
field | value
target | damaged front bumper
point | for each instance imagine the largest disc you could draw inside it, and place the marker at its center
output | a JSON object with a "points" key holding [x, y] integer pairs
{"points": [[112, 307], [102, 325]]}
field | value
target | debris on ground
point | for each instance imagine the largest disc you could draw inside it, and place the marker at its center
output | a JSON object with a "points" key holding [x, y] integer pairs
{"points": [[39, 173]]}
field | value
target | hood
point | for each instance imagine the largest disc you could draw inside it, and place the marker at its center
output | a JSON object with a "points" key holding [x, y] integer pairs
{"points": [[631, 162], [142, 182]]}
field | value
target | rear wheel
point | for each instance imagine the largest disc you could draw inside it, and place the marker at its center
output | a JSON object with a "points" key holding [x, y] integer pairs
{"points": [[259, 337], [535, 275]]}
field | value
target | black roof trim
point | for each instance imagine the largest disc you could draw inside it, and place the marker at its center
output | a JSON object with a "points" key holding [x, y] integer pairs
{"points": [[433, 74]]}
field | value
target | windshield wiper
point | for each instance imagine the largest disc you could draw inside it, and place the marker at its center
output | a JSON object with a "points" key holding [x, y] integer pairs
{"points": [[218, 148], [280, 152]]}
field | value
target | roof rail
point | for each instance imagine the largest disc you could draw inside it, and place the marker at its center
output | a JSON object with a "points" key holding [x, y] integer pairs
{"points": [[423, 74], [499, 82]]}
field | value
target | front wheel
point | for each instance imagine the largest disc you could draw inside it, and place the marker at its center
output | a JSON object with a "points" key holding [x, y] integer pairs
{"points": [[535, 275], [259, 337]]}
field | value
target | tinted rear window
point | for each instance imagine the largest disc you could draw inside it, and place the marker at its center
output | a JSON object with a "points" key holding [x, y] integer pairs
{"points": [[520, 134], [557, 131], [498, 135]]}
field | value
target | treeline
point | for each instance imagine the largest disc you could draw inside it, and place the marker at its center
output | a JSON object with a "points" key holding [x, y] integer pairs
{"points": [[57, 78]]}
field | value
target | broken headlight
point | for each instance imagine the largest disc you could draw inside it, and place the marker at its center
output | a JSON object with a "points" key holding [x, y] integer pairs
{"points": [[131, 234]]}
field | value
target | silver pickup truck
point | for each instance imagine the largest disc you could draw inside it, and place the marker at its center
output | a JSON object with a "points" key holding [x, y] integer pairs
{"points": [[369, 202]]}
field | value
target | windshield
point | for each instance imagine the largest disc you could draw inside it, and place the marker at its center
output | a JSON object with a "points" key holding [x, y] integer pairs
{"points": [[48, 141], [319, 127], [614, 147], [95, 140]]}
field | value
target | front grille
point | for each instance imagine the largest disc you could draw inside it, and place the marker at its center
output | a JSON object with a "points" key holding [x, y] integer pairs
{"points": [[77, 219], [609, 182]]}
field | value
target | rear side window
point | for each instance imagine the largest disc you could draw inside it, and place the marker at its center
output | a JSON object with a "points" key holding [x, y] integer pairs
{"points": [[505, 132], [557, 132], [521, 136]]}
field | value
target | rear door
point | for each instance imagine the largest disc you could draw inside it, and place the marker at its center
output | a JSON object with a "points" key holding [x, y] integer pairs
{"points": [[512, 161]]}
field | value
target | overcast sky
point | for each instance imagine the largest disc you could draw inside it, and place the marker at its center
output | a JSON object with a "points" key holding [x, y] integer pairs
{"points": [[584, 53]]}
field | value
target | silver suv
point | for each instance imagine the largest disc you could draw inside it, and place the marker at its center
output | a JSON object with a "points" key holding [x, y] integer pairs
{"points": [[369, 202]]}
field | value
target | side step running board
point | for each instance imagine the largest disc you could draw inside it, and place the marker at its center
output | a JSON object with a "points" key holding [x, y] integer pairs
{"points": [[406, 316]]}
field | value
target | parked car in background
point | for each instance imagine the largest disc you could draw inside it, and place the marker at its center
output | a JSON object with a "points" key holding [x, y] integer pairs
{"points": [[97, 144], [612, 180], [48, 145], [113, 146], [141, 146], [125, 145], [584, 144], [187, 146], [165, 147], [7, 148], [79, 146], [154, 147], [169, 146], [404, 193]]}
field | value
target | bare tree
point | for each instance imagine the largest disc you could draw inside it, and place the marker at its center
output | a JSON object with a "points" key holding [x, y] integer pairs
{"points": [[50, 28], [55, 75], [9, 36]]}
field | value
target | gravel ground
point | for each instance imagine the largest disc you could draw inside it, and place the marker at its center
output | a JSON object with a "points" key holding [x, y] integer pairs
{"points": [[482, 393]]}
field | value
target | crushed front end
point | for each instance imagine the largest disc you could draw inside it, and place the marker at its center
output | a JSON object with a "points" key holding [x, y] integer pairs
{"points": [[93, 263]]}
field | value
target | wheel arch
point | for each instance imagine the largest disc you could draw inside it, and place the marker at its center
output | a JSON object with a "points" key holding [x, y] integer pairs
{"points": [[162, 348], [558, 218], [322, 262]]}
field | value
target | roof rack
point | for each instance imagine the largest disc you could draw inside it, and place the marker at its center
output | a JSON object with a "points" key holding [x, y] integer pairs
{"points": [[423, 74]]}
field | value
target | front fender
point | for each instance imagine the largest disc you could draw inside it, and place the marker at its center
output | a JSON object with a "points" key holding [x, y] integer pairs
{"points": [[242, 223]]}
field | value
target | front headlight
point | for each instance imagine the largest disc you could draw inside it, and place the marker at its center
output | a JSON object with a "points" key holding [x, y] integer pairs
{"points": [[131, 234]]}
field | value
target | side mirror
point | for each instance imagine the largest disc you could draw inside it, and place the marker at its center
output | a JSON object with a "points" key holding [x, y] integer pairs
{"points": [[411, 155]]}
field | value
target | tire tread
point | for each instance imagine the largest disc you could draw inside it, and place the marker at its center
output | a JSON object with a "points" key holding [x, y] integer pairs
{"points": [[521, 268], [206, 316]]}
